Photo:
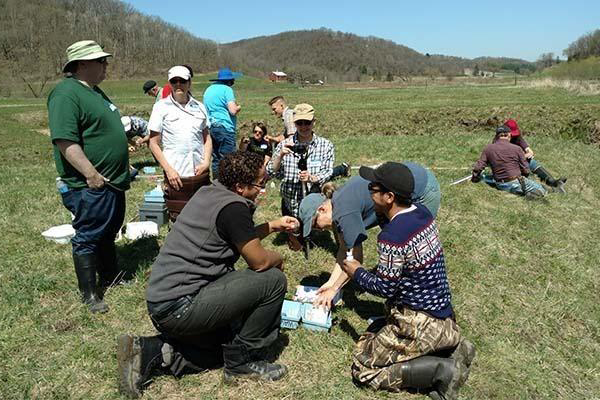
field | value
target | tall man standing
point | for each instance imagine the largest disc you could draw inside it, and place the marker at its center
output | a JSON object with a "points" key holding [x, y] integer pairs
{"points": [[219, 100], [90, 152]]}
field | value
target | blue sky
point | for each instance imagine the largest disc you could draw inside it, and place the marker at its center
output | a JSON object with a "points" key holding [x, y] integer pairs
{"points": [[521, 29]]}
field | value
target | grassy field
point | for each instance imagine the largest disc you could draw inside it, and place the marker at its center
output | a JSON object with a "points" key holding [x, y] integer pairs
{"points": [[523, 274]]}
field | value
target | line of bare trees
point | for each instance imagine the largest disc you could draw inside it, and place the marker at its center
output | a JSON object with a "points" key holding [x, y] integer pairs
{"points": [[34, 35], [584, 47]]}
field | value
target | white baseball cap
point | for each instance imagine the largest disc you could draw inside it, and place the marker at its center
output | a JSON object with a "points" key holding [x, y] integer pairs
{"points": [[179, 71]]}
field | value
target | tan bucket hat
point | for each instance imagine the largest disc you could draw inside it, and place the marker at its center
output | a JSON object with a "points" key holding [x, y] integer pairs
{"points": [[84, 50]]}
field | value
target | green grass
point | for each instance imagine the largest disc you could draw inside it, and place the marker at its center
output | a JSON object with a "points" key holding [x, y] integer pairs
{"points": [[588, 68], [523, 274]]}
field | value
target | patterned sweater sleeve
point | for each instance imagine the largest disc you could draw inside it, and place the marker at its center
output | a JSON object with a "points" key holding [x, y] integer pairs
{"points": [[376, 284]]}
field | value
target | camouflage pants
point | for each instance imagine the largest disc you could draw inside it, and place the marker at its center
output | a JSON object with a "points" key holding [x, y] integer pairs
{"points": [[408, 334]]}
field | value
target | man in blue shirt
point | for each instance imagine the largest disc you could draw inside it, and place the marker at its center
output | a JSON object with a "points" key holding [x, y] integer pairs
{"points": [[411, 276], [219, 100]]}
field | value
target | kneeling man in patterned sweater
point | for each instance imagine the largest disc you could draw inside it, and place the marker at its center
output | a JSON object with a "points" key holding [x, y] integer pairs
{"points": [[409, 348]]}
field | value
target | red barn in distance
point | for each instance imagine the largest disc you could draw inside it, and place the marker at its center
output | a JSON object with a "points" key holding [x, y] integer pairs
{"points": [[277, 76]]}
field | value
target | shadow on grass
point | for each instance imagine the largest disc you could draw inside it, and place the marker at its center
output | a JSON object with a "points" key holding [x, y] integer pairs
{"points": [[364, 308], [347, 328], [324, 240], [137, 255], [275, 350]]}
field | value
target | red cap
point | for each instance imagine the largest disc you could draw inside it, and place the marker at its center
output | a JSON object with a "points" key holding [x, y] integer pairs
{"points": [[514, 128]]}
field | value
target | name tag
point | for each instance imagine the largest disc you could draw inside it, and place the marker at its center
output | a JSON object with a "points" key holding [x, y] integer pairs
{"points": [[263, 146], [314, 163]]}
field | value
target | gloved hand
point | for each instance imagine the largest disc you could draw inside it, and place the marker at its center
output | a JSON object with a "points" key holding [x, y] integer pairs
{"points": [[476, 177]]}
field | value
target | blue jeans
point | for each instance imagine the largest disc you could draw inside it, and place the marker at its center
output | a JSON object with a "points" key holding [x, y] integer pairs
{"points": [[432, 197], [99, 214], [514, 186], [223, 142]]}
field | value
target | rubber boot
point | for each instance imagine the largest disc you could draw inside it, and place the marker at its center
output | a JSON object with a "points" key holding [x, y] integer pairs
{"points": [[440, 376], [238, 364], [464, 354], [86, 266], [139, 359], [108, 271], [547, 178]]}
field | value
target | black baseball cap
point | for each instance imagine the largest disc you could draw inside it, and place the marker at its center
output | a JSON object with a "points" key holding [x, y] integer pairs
{"points": [[502, 129], [396, 177], [148, 85]]}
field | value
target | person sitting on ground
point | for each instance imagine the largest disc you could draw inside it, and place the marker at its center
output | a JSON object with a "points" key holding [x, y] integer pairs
{"points": [[349, 212], [203, 307], [303, 162], [180, 123], [135, 126], [516, 137], [396, 352], [257, 142], [509, 167]]}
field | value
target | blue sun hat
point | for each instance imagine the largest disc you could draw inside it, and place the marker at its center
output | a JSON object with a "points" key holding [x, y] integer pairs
{"points": [[225, 74]]}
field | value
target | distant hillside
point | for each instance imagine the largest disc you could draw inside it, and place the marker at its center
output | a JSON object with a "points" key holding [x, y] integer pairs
{"points": [[34, 35], [341, 56]]}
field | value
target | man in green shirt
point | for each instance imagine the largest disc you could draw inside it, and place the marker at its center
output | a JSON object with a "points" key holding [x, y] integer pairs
{"points": [[90, 152]]}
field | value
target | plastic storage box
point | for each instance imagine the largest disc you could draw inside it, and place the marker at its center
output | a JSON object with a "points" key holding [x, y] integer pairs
{"points": [[291, 312], [155, 212], [316, 319], [295, 313]]}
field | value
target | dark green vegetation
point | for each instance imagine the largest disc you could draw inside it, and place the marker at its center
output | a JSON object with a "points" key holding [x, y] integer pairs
{"points": [[523, 274]]}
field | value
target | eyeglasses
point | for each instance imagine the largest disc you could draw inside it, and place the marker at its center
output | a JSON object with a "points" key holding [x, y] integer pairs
{"points": [[260, 186], [376, 188], [101, 60], [303, 122], [180, 81]]}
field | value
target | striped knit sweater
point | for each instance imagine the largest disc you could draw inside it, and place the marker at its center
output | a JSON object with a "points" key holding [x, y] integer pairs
{"points": [[411, 269]]}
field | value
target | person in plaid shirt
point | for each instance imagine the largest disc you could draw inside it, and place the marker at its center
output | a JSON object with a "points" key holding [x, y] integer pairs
{"points": [[319, 153]]}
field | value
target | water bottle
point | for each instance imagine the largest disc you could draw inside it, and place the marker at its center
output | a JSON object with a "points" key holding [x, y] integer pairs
{"points": [[61, 186]]}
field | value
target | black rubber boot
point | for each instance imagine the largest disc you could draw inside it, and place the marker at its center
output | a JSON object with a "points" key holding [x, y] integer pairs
{"points": [[108, 271], [238, 364], [439, 376], [464, 354], [139, 359], [547, 178], [86, 266]]}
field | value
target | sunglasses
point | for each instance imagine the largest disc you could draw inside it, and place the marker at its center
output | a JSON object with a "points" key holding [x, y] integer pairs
{"points": [[180, 81], [376, 188], [303, 122], [260, 186]]}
